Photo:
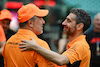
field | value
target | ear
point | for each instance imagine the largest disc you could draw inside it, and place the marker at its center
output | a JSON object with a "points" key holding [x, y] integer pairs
{"points": [[80, 26], [30, 23]]}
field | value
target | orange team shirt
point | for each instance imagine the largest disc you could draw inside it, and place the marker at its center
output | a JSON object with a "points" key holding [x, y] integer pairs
{"points": [[2, 34], [78, 52], [13, 57]]}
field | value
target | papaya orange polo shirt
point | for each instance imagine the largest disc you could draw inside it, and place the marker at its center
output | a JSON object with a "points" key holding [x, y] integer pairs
{"points": [[78, 52], [2, 34], [13, 57]]}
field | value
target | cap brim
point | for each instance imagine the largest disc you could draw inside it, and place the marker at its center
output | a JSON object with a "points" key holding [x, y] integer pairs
{"points": [[42, 13], [6, 18]]}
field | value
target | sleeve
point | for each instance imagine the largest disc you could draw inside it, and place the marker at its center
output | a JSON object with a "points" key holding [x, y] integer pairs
{"points": [[2, 34], [74, 53]]}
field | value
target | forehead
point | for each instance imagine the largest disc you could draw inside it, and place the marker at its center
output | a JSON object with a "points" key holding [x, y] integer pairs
{"points": [[97, 16], [71, 16]]}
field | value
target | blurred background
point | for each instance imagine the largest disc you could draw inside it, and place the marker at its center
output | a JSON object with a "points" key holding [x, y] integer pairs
{"points": [[59, 9]]}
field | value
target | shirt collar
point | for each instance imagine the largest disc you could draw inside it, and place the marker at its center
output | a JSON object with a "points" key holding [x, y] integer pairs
{"points": [[79, 38], [27, 32]]}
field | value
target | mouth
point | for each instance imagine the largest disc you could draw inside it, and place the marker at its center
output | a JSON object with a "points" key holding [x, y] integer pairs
{"points": [[65, 28]]}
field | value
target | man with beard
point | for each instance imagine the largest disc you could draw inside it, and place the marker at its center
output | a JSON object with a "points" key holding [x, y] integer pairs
{"points": [[78, 50], [93, 38]]}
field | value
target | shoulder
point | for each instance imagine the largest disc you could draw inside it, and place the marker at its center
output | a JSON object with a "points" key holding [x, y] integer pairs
{"points": [[42, 43], [77, 45], [80, 45]]}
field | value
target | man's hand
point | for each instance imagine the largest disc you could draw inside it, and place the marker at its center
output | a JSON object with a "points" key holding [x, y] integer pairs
{"points": [[27, 44]]}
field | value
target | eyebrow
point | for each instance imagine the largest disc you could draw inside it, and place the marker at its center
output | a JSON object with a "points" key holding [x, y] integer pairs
{"points": [[71, 18], [68, 18]]}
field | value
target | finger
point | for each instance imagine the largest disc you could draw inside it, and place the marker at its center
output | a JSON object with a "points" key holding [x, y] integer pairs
{"points": [[22, 43], [24, 49], [22, 46]]}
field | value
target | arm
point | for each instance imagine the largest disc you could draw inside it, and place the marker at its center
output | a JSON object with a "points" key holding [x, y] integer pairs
{"points": [[50, 55], [1, 46]]}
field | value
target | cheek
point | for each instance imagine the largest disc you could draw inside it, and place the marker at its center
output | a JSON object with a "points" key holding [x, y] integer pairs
{"points": [[69, 27], [72, 25], [38, 28]]}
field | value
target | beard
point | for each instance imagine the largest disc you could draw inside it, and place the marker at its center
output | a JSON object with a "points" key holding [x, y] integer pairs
{"points": [[70, 31]]}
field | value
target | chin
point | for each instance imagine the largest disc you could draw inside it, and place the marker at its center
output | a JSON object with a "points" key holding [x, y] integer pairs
{"points": [[65, 32], [39, 33]]}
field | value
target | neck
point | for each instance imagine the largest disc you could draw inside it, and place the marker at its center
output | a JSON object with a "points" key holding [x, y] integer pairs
{"points": [[72, 37], [26, 27]]}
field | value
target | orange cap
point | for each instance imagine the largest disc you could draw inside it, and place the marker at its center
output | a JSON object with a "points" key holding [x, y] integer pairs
{"points": [[28, 11], [5, 14]]}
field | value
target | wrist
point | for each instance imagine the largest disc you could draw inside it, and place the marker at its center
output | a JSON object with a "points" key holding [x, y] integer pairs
{"points": [[35, 46]]}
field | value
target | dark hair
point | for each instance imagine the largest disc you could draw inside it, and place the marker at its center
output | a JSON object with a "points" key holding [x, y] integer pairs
{"points": [[82, 17], [25, 23]]}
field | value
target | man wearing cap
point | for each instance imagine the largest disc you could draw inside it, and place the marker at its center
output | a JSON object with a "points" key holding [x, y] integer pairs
{"points": [[5, 19], [31, 25]]}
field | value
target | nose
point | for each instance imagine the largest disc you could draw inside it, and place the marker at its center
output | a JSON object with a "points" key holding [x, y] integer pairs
{"points": [[64, 22]]}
